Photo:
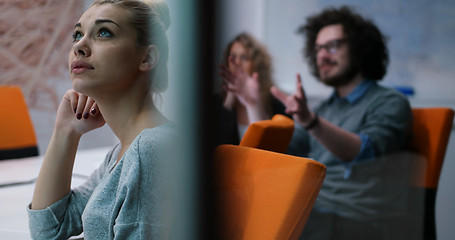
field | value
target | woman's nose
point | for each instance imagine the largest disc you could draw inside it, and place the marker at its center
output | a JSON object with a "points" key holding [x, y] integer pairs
{"points": [[236, 60], [82, 48]]}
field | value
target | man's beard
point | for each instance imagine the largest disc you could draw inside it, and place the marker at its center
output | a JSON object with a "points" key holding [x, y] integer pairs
{"points": [[342, 78]]}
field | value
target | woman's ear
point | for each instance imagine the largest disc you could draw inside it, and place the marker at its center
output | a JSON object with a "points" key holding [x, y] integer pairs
{"points": [[150, 59]]}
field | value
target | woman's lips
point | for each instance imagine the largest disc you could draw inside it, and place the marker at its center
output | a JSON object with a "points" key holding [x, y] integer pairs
{"points": [[80, 66]]}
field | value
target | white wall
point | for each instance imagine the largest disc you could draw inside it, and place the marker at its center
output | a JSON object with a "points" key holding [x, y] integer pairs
{"points": [[237, 16]]}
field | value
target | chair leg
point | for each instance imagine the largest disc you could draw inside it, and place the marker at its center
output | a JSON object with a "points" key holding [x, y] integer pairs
{"points": [[429, 230]]}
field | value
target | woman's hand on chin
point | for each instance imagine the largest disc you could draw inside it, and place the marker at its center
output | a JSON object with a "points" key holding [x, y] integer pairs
{"points": [[78, 114]]}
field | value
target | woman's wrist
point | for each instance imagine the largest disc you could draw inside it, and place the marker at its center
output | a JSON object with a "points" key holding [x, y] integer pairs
{"points": [[67, 132], [257, 113]]}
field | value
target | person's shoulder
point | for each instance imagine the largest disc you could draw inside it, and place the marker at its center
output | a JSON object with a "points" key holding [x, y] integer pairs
{"points": [[157, 136], [152, 146], [110, 158], [386, 90], [161, 130], [388, 99], [386, 93]]}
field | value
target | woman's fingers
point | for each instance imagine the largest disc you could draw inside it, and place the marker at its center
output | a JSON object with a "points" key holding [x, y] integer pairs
{"points": [[226, 78], [255, 78], [224, 68], [230, 88], [73, 98], [94, 109], [88, 107], [226, 74], [76, 106], [81, 105]]}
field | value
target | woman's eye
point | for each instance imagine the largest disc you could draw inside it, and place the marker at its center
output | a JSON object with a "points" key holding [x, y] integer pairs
{"points": [[105, 33], [77, 36], [244, 58]]}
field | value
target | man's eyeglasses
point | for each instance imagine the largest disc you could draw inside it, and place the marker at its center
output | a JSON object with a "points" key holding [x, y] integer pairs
{"points": [[331, 46]]}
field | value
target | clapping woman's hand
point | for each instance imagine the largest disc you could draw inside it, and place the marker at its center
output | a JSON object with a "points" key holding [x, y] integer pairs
{"points": [[245, 87]]}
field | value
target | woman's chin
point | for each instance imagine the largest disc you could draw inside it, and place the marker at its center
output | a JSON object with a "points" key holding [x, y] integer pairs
{"points": [[81, 87]]}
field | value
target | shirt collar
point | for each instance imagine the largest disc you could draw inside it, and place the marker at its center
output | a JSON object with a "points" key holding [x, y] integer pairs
{"points": [[358, 92]]}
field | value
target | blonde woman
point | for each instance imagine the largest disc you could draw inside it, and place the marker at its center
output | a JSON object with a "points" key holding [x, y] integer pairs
{"points": [[118, 61]]}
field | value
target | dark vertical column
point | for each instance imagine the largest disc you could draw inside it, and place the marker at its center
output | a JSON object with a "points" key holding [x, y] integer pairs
{"points": [[205, 75]]}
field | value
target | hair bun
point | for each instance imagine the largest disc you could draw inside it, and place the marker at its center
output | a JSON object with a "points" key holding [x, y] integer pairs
{"points": [[162, 10]]}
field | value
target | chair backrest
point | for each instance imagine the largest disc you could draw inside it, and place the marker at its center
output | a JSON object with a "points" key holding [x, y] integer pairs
{"points": [[264, 194], [273, 135], [431, 130], [17, 136]]}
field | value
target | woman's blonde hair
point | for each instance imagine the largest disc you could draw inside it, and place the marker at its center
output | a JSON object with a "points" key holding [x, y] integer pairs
{"points": [[151, 19]]}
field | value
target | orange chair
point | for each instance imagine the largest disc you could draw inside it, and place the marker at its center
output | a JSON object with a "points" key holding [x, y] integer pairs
{"points": [[431, 130], [17, 136], [264, 194], [273, 135]]}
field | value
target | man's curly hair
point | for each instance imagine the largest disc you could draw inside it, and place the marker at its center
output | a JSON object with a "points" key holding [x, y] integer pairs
{"points": [[368, 51]]}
